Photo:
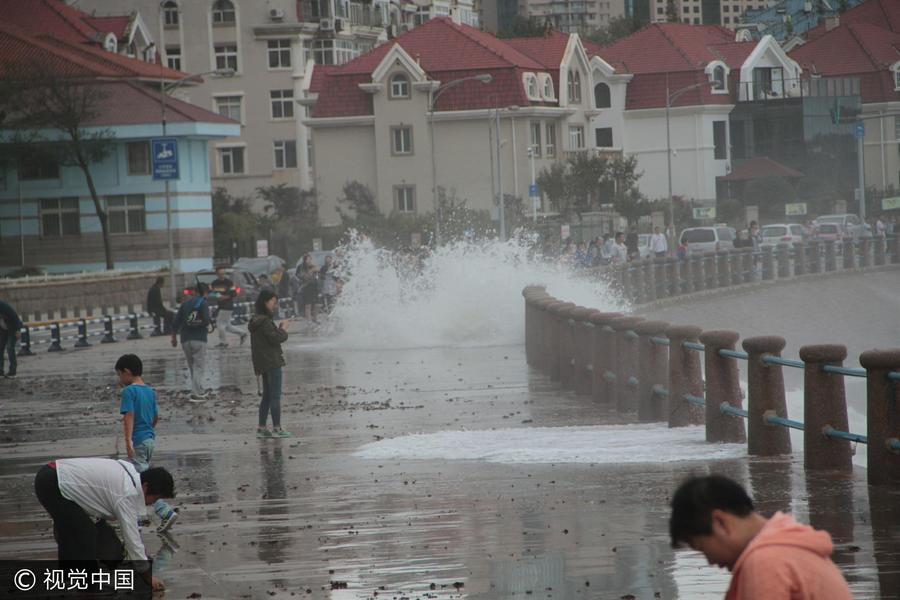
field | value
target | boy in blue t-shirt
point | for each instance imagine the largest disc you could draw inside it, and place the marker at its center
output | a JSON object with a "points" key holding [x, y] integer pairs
{"points": [[139, 417]]}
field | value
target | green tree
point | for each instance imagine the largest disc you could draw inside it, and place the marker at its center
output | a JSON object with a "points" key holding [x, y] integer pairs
{"points": [[235, 227], [552, 183], [618, 28], [359, 200], [525, 27], [285, 202]]}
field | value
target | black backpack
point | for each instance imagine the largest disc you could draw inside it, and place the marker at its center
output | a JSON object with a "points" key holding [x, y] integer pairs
{"points": [[194, 319]]}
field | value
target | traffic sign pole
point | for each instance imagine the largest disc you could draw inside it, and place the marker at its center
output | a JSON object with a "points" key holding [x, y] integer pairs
{"points": [[859, 131]]}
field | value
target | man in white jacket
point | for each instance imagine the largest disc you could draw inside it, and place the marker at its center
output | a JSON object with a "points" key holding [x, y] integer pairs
{"points": [[76, 491]]}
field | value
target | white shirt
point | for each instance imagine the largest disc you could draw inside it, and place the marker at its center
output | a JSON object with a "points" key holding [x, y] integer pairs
{"points": [[658, 243], [618, 253], [103, 488]]}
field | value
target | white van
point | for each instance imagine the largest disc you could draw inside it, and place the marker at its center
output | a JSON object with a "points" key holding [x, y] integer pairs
{"points": [[708, 239]]}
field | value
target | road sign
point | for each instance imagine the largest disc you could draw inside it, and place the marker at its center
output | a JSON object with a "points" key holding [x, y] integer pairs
{"points": [[795, 209], [704, 212], [890, 203], [533, 191], [262, 248], [859, 131], [164, 158]]}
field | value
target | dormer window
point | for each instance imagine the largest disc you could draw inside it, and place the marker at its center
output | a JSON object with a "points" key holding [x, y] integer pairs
{"points": [[718, 78], [530, 81], [895, 71], [574, 87], [601, 96], [223, 12], [547, 91], [399, 86], [717, 72]]}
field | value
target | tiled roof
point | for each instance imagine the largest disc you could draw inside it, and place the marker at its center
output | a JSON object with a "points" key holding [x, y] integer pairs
{"points": [[116, 25], [548, 50], [127, 103], [760, 167], [53, 18], [883, 13]]}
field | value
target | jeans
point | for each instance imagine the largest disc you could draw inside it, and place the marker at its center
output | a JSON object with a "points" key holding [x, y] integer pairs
{"points": [[74, 529], [166, 320], [271, 398], [8, 346], [143, 452], [223, 324], [195, 353]]}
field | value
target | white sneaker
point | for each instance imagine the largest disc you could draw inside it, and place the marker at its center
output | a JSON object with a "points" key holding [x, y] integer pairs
{"points": [[197, 398]]}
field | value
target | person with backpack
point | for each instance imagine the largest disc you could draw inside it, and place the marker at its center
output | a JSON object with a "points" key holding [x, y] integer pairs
{"points": [[192, 323]]}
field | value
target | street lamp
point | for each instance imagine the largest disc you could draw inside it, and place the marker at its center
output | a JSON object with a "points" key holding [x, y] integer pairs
{"points": [[500, 198], [164, 89], [434, 94], [670, 97], [533, 186]]}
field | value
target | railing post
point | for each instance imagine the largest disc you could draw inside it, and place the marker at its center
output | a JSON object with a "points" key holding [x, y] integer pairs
{"points": [[724, 270], [109, 336], [815, 257], [830, 263], [882, 415], [82, 341], [603, 356], [552, 337], [543, 334], [723, 386], [698, 266], [879, 251], [784, 261], [649, 277], [865, 259], [530, 294], [636, 283], [748, 265], [765, 394], [661, 277], [684, 376], [627, 376], [735, 261], [799, 259], [583, 333], [135, 333], [848, 249], [685, 275], [824, 405], [25, 342], [895, 247], [566, 344], [55, 345], [768, 264], [671, 266], [653, 371]]}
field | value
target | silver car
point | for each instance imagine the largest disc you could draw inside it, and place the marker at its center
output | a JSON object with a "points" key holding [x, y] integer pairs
{"points": [[708, 239]]}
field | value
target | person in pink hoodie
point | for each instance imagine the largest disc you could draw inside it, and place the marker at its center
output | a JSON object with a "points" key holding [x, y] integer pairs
{"points": [[772, 559]]}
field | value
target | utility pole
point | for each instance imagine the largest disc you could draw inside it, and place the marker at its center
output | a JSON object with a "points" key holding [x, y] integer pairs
{"points": [[500, 184]]}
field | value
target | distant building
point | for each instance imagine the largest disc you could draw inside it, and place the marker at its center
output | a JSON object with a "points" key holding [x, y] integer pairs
{"points": [[787, 20], [498, 15], [573, 16]]}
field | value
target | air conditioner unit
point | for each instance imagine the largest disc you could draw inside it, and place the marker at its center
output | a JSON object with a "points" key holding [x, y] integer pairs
{"points": [[276, 14], [326, 24], [341, 24]]}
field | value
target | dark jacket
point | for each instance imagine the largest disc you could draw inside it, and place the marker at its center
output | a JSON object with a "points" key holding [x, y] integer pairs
{"points": [[265, 344], [155, 304], [192, 334], [10, 316]]}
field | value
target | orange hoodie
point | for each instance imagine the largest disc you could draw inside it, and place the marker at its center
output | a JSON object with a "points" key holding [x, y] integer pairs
{"points": [[790, 561]]}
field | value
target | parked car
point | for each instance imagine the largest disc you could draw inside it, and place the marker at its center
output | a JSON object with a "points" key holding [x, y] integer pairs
{"points": [[829, 232], [781, 233], [259, 266], [246, 286], [708, 239], [850, 224]]}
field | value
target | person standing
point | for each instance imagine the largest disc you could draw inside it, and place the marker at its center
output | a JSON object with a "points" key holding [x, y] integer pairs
{"points": [[10, 326], [768, 558], [618, 252], [631, 244], [156, 308], [309, 288], [265, 350], [192, 323], [658, 244], [224, 287]]}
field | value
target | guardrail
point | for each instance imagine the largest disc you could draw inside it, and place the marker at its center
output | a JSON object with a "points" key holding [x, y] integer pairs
{"points": [[653, 369]]}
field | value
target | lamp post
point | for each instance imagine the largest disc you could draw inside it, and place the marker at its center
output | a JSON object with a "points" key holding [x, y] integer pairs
{"points": [[501, 201], [433, 95], [532, 187], [670, 97], [164, 89]]}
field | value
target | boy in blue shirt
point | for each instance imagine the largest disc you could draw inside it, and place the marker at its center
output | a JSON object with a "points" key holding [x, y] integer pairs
{"points": [[139, 417]]}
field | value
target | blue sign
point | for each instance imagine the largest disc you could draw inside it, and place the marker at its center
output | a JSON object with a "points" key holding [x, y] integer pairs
{"points": [[164, 158], [533, 190], [859, 132]]}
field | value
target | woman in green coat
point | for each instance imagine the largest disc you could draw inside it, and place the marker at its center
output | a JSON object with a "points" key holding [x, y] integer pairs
{"points": [[265, 348]]}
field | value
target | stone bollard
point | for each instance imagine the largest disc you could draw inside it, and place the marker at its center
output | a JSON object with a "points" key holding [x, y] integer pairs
{"points": [[894, 243], [541, 335], [25, 342], [723, 269], [684, 377], [685, 274], [815, 256], [799, 259], [566, 345], [583, 335], [109, 335], [830, 262], [627, 375], [768, 264], [765, 391], [649, 278], [848, 248], [824, 405], [660, 277], [783, 253], [882, 415], [723, 386], [82, 341], [748, 265], [698, 268], [653, 369], [55, 338], [735, 262], [865, 258], [879, 251], [637, 283], [603, 356], [671, 266], [551, 340]]}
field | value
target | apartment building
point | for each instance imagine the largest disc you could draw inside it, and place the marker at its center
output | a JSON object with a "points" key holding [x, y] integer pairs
{"points": [[572, 16], [701, 12]]}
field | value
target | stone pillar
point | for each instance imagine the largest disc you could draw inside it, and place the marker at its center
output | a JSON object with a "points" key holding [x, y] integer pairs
{"points": [[566, 345], [626, 387], [849, 249], [637, 283], [684, 376], [672, 275], [698, 267], [784, 261], [735, 262], [879, 251], [894, 243], [723, 385], [830, 263], [815, 256], [542, 334], [765, 391], [649, 278], [724, 269], [882, 415], [685, 275], [584, 330], [748, 265], [711, 266], [653, 370], [531, 294], [603, 355], [660, 277], [824, 405], [799, 258], [552, 339], [768, 264], [865, 256]]}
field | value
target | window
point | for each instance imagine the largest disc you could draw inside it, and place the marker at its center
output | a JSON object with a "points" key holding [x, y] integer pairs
{"points": [[550, 140], [696, 21], [720, 149], [170, 14], [279, 54], [727, 20], [601, 96], [232, 160], [718, 78], [138, 158], [532, 86], [229, 106], [222, 12], [696, 9], [574, 87], [285, 154], [173, 57], [897, 128], [226, 56], [660, 10], [331, 52], [535, 139], [576, 136], [548, 87], [896, 77], [38, 166], [725, 8], [399, 86], [401, 140], [59, 217], [405, 198], [604, 137], [282, 104], [126, 213]]}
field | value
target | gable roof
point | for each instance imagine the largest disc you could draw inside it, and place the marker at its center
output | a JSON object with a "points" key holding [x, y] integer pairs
{"points": [[129, 103], [118, 25], [53, 18], [548, 50], [882, 13]]}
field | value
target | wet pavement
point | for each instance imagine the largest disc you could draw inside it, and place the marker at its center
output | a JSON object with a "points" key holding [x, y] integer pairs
{"points": [[311, 516]]}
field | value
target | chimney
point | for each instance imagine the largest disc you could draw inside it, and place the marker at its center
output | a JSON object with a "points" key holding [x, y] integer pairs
{"points": [[832, 21]]}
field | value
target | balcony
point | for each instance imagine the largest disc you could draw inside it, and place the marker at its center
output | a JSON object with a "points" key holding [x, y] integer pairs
{"points": [[366, 15]]}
